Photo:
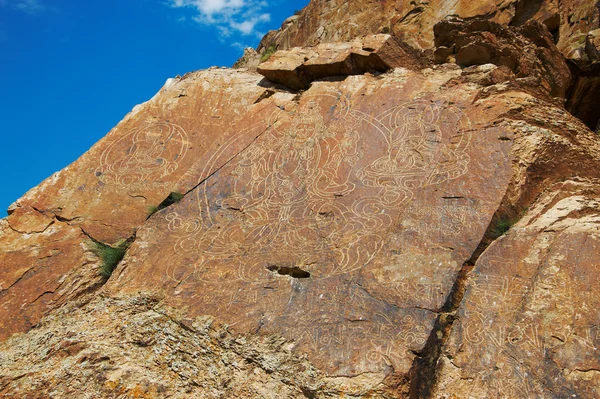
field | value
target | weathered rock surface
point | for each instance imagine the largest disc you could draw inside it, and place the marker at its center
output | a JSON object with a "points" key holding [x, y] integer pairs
{"points": [[44, 263], [585, 94], [344, 240], [147, 156], [139, 348], [412, 21], [250, 60], [317, 230], [527, 52], [529, 325], [298, 67]]}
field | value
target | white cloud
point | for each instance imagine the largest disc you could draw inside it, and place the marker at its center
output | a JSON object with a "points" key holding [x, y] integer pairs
{"points": [[246, 27], [211, 7], [228, 16], [239, 46], [31, 7]]}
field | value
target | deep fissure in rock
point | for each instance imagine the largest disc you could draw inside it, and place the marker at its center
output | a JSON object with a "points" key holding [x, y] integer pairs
{"points": [[424, 371], [583, 96]]}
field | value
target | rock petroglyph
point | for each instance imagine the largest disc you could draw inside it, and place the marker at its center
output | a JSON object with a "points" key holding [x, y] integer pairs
{"points": [[152, 152], [368, 217], [308, 190]]}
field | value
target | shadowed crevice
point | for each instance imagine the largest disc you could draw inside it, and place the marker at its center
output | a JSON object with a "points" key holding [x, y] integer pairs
{"points": [[425, 369], [294, 272]]}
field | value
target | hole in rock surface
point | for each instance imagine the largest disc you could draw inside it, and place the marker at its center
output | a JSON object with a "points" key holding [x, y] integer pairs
{"points": [[294, 271]]}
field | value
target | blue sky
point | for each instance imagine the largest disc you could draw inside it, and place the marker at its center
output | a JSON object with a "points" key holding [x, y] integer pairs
{"points": [[71, 69]]}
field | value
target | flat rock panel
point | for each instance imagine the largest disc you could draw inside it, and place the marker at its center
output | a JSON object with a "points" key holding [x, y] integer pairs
{"points": [[337, 225]]}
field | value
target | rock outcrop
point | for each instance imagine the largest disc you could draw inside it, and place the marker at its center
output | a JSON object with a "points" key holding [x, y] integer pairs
{"points": [[298, 67], [358, 219], [529, 324], [325, 21]]}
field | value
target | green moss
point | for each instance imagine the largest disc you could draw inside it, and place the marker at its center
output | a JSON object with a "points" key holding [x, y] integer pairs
{"points": [[173, 198], [501, 226], [152, 209], [176, 197], [268, 53], [503, 223]]}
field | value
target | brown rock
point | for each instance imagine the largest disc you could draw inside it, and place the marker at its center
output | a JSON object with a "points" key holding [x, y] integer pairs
{"points": [[297, 68], [584, 95], [527, 51], [43, 264], [249, 60], [343, 241], [350, 248], [412, 21], [139, 349], [26, 220], [322, 230], [151, 153], [329, 233], [528, 326]]}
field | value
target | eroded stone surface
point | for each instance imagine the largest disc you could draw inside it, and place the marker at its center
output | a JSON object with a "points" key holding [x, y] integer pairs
{"points": [[139, 348], [298, 67], [529, 324], [412, 21], [151, 153], [333, 230], [364, 186], [43, 264], [528, 52]]}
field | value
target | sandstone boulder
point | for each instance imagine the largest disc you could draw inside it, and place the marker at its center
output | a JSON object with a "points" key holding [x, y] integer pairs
{"points": [[297, 68], [249, 60], [528, 52]]}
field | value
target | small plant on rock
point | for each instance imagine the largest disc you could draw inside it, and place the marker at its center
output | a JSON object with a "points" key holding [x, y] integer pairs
{"points": [[173, 198], [501, 226], [268, 53], [503, 223], [110, 255]]}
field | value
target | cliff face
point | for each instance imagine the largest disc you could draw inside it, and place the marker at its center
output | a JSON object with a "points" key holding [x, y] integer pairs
{"points": [[361, 218], [324, 21]]}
